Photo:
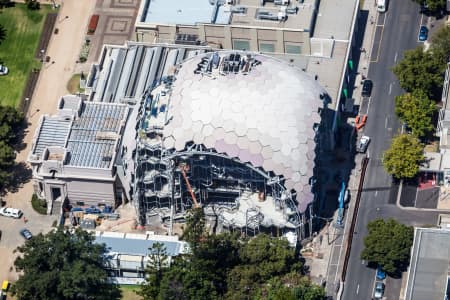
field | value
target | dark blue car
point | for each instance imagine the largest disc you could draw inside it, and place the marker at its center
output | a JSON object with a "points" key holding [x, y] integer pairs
{"points": [[423, 33]]}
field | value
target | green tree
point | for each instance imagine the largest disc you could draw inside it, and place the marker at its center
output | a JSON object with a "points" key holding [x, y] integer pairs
{"points": [[420, 70], [416, 110], [157, 264], [292, 286], [262, 258], [33, 4], [402, 159], [440, 45], [433, 6], [63, 265], [195, 227], [388, 244]]}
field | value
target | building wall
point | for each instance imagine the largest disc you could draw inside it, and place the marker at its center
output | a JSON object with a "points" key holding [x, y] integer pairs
{"points": [[232, 37], [77, 191]]}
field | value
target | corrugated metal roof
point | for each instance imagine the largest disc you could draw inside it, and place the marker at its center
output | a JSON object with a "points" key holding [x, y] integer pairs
{"points": [[94, 134], [53, 132], [136, 246]]}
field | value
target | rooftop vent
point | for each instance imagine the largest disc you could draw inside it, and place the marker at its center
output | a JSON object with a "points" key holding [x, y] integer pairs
{"points": [[187, 39]]}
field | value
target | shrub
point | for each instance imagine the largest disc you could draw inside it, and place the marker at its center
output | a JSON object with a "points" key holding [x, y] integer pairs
{"points": [[40, 206]]}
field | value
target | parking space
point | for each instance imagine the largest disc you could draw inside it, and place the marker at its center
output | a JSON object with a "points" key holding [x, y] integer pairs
{"points": [[11, 237]]}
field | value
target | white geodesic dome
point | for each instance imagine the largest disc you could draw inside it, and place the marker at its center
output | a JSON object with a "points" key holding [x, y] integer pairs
{"points": [[266, 117]]}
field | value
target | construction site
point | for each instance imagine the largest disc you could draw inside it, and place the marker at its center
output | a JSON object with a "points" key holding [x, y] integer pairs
{"points": [[229, 132]]}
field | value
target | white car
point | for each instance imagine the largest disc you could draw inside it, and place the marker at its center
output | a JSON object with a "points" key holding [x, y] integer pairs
{"points": [[3, 70], [11, 212], [363, 144]]}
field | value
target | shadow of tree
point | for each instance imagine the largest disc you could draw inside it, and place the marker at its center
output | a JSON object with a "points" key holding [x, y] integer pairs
{"points": [[20, 174]]}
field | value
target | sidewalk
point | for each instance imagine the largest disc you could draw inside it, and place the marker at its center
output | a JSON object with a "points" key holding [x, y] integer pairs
{"points": [[329, 245], [63, 49]]}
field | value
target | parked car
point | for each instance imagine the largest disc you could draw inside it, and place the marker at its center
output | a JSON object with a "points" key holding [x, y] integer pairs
{"points": [[26, 234], [363, 144], [3, 70], [381, 275], [367, 88], [11, 212], [423, 33], [379, 290]]}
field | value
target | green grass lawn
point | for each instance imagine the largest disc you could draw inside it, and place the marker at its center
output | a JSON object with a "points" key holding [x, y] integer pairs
{"points": [[23, 30]]}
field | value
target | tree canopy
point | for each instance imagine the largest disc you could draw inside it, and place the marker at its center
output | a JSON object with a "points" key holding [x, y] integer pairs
{"points": [[62, 265], [402, 159], [440, 44], [10, 122], [420, 70], [388, 244], [416, 110], [433, 6], [226, 266]]}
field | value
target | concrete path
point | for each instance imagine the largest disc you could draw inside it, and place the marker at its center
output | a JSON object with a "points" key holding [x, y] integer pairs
{"points": [[64, 49]]}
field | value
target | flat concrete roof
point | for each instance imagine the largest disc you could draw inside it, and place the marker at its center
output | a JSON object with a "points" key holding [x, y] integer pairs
{"points": [[334, 19], [186, 12], [428, 271], [246, 13]]}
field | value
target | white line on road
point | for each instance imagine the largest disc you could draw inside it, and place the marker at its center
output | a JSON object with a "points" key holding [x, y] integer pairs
{"points": [[357, 290], [386, 122], [368, 105], [363, 262], [376, 193], [395, 57], [390, 88]]}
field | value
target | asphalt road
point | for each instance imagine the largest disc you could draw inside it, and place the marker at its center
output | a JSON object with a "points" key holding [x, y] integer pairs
{"points": [[397, 31]]}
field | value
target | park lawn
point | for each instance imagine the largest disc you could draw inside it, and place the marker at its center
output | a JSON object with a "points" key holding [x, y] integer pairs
{"points": [[17, 51]]}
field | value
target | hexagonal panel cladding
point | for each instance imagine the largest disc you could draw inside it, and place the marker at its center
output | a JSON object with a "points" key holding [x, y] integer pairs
{"points": [[286, 149], [242, 142], [289, 184], [296, 176], [209, 141], [253, 134], [230, 138], [257, 160], [278, 169], [198, 138], [241, 129], [298, 187], [188, 135], [197, 126], [207, 130], [169, 142], [179, 145], [229, 125], [219, 133], [232, 150], [269, 165], [244, 156], [266, 152], [277, 157], [255, 148], [220, 146]]}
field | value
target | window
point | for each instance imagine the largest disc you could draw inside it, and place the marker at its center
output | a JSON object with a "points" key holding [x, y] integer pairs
{"points": [[266, 47], [241, 45], [292, 49]]}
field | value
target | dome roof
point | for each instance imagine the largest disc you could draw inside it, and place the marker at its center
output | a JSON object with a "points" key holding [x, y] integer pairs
{"points": [[264, 116]]}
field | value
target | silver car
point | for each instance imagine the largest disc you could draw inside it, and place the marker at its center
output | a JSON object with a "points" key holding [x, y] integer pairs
{"points": [[379, 290]]}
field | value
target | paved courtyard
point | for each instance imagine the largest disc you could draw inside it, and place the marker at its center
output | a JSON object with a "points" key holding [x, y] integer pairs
{"points": [[115, 25]]}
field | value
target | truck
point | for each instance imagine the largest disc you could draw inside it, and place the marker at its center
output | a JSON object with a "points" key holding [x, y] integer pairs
{"points": [[381, 6]]}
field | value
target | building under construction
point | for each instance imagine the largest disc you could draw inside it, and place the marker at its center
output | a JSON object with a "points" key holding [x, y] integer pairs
{"points": [[232, 132]]}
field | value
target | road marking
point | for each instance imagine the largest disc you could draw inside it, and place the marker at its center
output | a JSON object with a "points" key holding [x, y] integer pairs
{"points": [[368, 105], [386, 122], [390, 88], [357, 290], [363, 262], [376, 193], [395, 57]]}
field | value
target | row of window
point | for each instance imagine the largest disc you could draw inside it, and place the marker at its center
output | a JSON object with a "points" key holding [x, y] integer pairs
{"points": [[266, 47]]}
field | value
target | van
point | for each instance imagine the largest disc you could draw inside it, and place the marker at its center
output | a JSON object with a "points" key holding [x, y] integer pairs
{"points": [[381, 6]]}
